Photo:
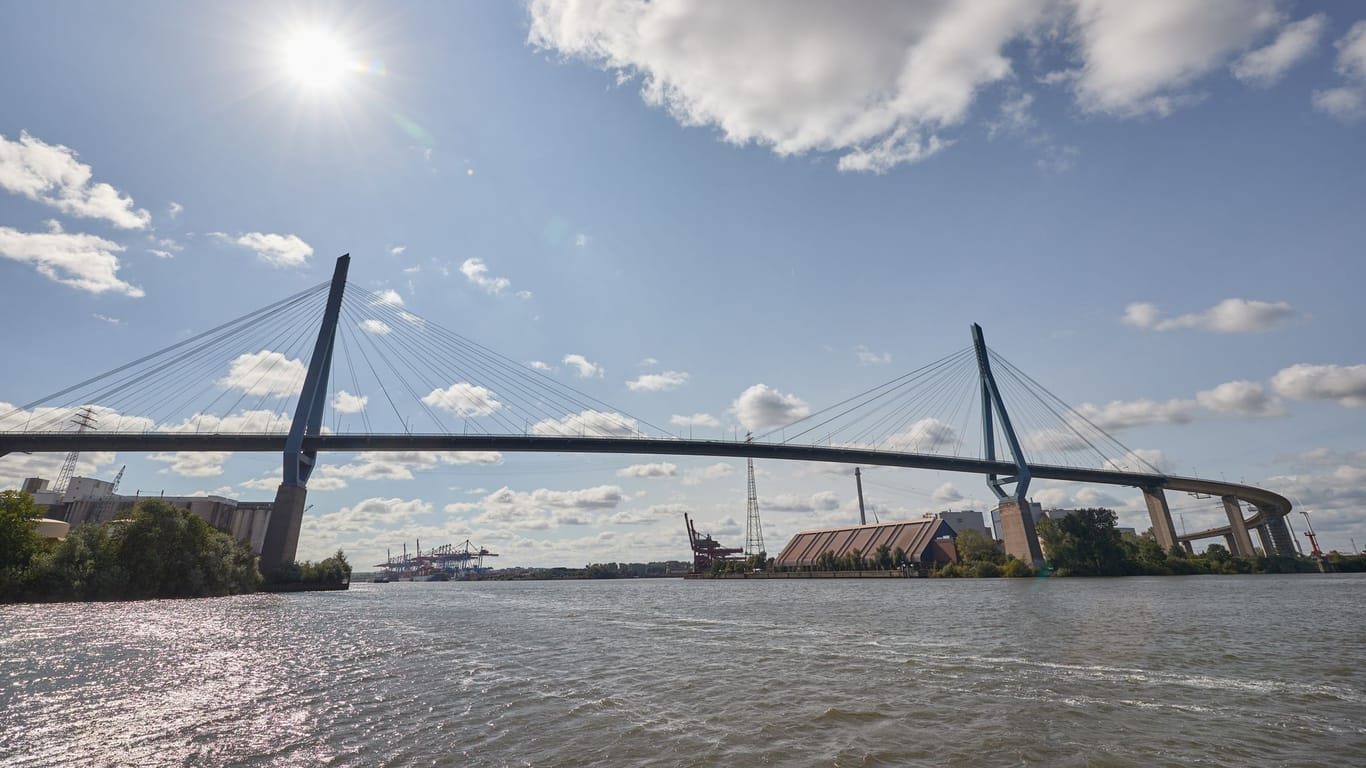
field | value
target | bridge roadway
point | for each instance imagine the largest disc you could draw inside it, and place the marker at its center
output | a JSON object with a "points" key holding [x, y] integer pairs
{"points": [[1266, 503]]}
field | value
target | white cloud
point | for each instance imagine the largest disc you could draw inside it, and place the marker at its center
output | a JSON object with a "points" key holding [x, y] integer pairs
{"points": [[394, 465], [51, 174], [174, 209], [1347, 102], [107, 319], [545, 508], [15, 467], [265, 373], [269, 483], [588, 423], [397, 250], [275, 250], [477, 272], [946, 494], [648, 362], [881, 84], [584, 368], [925, 435], [1141, 315], [389, 298], [1241, 398], [762, 408], [377, 327], [463, 399], [1344, 103], [372, 515], [659, 469], [1138, 57], [1015, 117], [1268, 64], [1053, 439], [345, 402], [1228, 316], [540, 366], [658, 382], [824, 501], [653, 514], [874, 84], [695, 420], [192, 463], [1121, 414], [868, 357], [160, 254], [1345, 385], [1351, 62], [81, 261], [715, 471], [581, 240], [258, 420]]}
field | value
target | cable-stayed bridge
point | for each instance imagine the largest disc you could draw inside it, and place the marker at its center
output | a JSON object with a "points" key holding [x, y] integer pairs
{"points": [[374, 377]]}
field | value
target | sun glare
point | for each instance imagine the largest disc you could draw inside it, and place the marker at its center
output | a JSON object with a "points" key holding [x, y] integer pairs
{"points": [[316, 60]]}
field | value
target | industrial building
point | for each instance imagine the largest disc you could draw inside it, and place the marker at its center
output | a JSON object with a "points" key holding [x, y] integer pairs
{"points": [[89, 500], [963, 520], [925, 541]]}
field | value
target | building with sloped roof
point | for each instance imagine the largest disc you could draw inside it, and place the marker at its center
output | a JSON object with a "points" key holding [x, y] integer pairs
{"points": [[924, 541]]}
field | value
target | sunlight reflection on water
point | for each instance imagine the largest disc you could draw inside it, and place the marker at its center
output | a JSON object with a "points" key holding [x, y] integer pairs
{"points": [[1218, 670]]}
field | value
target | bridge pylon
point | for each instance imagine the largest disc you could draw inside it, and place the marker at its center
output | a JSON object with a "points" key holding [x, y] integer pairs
{"points": [[281, 543], [1017, 522]]}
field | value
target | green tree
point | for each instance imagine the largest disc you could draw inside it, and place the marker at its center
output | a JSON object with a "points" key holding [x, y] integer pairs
{"points": [[884, 557], [157, 552], [975, 546], [19, 540], [899, 558], [1085, 543]]}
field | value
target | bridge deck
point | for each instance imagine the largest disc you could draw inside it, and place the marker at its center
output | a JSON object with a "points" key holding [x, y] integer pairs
{"points": [[55, 442]]}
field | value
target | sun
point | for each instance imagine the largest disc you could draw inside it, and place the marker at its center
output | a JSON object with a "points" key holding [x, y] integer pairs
{"points": [[316, 59]]}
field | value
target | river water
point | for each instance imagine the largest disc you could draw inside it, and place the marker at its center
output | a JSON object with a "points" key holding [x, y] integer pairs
{"points": [[1214, 671]]}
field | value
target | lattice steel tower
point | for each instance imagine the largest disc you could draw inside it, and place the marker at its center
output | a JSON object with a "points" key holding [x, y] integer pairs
{"points": [[84, 419], [754, 530]]}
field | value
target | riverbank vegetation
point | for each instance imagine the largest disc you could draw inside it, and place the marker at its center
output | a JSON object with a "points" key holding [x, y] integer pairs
{"points": [[1088, 543], [981, 557], [329, 573], [158, 551]]}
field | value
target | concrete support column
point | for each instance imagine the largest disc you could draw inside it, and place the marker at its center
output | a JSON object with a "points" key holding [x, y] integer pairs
{"points": [[281, 544], [1280, 533], [1017, 525], [1230, 544], [1190, 548], [1268, 549], [1161, 516], [1242, 542]]}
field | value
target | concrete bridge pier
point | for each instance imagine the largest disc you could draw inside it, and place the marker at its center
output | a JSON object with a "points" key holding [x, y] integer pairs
{"points": [[281, 543], [1281, 540], [1017, 525], [1240, 543], [1230, 544], [1161, 515], [1268, 549]]}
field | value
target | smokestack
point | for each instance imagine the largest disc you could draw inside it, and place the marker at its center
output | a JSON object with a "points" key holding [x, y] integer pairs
{"points": [[858, 478]]}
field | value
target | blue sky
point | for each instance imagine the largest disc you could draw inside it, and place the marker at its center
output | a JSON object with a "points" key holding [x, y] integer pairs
{"points": [[1154, 209]]}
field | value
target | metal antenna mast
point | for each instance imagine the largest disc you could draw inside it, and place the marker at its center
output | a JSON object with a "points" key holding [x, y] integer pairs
{"points": [[85, 419], [754, 530]]}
